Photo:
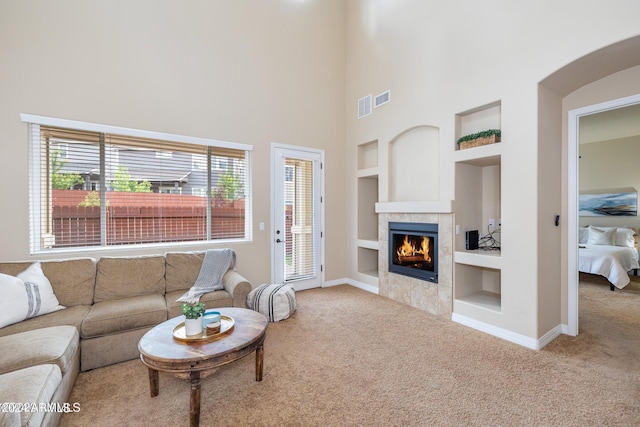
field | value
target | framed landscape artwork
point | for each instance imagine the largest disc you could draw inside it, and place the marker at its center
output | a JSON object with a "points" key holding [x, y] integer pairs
{"points": [[624, 203]]}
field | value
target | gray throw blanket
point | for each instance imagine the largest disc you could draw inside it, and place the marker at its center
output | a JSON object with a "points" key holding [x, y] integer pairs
{"points": [[215, 264]]}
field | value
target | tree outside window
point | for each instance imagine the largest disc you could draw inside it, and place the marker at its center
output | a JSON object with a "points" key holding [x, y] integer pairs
{"points": [[62, 181], [122, 182]]}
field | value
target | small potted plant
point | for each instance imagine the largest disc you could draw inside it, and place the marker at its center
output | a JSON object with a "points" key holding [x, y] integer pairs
{"points": [[485, 137], [192, 314]]}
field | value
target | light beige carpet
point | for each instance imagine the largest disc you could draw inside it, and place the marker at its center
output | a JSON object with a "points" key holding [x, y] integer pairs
{"points": [[351, 358], [609, 325]]}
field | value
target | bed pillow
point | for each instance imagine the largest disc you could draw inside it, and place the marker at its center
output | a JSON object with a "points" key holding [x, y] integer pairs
{"points": [[583, 235], [624, 237], [25, 296], [602, 236]]}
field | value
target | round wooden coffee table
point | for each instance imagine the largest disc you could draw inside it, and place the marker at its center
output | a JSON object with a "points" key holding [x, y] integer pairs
{"points": [[160, 351]]}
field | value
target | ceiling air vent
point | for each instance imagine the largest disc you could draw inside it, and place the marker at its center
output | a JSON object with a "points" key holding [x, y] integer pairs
{"points": [[382, 99], [364, 106]]}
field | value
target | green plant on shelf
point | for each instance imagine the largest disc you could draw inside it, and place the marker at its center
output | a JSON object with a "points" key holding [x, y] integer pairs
{"points": [[483, 134]]}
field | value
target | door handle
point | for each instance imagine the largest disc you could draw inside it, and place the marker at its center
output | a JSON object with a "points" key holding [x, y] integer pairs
{"points": [[279, 241]]}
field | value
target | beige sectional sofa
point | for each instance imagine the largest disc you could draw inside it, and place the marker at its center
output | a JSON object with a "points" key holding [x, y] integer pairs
{"points": [[110, 303], [37, 371]]}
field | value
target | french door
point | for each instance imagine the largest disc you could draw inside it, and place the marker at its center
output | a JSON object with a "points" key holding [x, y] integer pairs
{"points": [[297, 216]]}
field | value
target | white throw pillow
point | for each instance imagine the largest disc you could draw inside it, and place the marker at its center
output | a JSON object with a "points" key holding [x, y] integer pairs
{"points": [[624, 237], [602, 236], [28, 295]]}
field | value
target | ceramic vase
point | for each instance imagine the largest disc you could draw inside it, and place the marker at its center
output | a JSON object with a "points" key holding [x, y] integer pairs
{"points": [[193, 326]]}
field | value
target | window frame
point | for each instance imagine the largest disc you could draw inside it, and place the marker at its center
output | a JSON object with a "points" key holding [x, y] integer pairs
{"points": [[35, 173]]}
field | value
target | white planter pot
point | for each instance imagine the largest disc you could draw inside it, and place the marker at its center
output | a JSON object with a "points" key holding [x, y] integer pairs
{"points": [[193, 326]]}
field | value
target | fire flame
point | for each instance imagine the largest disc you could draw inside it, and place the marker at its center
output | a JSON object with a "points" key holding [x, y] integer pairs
{"points": [[408, 249]]}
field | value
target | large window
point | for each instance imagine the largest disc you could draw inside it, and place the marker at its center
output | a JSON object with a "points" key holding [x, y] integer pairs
{"points": [[97, 186]]}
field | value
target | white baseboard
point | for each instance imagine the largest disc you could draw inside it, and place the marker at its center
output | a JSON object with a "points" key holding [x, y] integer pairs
{"points": [[550, 336], [532, 343], [354, 283], [565, 330]]}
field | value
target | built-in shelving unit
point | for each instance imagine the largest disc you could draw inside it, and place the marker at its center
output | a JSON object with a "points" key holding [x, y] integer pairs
{"points": [[368, 155], [367, 176], [368, 262], [477, 284]]}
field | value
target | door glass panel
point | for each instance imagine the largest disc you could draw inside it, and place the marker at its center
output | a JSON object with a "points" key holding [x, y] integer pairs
{"points": [[300, 256]]}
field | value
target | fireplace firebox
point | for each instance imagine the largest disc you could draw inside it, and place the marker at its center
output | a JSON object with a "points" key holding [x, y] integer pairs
{"points": [[413, 250]]}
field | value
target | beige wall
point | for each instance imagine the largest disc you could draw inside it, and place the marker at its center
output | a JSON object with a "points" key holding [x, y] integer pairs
{"points": [[550, 168], [253, 72], [442, 58]]}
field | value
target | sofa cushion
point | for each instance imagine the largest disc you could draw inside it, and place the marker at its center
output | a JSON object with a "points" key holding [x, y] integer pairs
{"points": [[27, 295], [72, 280], [182, 269], [72, 316], [125, 314], [122, 277], [37, 384], [56, 345], [215, 299], [109, 349]]}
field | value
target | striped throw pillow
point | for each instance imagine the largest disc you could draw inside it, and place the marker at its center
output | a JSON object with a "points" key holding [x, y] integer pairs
{"points": [[27, 295]]}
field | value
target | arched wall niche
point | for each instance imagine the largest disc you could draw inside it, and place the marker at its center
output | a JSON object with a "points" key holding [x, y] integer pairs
{"points": [[414, 164]]}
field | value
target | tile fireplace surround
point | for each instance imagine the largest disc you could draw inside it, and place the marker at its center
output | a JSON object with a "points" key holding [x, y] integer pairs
{"points": [[435, 298]]}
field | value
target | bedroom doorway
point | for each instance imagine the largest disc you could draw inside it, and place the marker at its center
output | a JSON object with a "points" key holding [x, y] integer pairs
{"points": [[574, 139]]}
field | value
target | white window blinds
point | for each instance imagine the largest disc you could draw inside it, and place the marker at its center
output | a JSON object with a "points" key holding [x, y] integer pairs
{"points": [[300, 220], [94, 185]]}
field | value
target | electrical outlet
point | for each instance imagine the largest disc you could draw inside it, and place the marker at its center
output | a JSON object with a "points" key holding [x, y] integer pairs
{"points": [[492, 222]]}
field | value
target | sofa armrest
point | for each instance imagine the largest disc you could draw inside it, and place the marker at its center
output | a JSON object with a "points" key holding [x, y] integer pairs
{"points": [[237, 286]]}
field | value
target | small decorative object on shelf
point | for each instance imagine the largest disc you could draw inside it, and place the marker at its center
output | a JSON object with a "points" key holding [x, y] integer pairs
{"points": [[192, 314], [481, 138]]}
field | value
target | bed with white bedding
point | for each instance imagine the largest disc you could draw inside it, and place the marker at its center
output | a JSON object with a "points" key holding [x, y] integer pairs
{"points": [[610, 252]]}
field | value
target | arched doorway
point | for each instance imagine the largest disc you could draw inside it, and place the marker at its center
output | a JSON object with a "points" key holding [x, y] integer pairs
{"points": [[554, 90]]}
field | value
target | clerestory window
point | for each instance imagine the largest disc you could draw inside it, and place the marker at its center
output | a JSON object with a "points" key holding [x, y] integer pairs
{"points": [[95, 185]]}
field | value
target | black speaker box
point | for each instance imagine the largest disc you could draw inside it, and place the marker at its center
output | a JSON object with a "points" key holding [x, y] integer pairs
{"points": [[471, 239]]}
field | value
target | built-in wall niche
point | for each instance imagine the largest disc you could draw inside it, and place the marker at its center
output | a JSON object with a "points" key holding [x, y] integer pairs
{"points": [[477, 287], [479, 119], [478, 174], [478, 196], [414, 165], [478, 200], [368, 155], [367, 216], [368, 262]]}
